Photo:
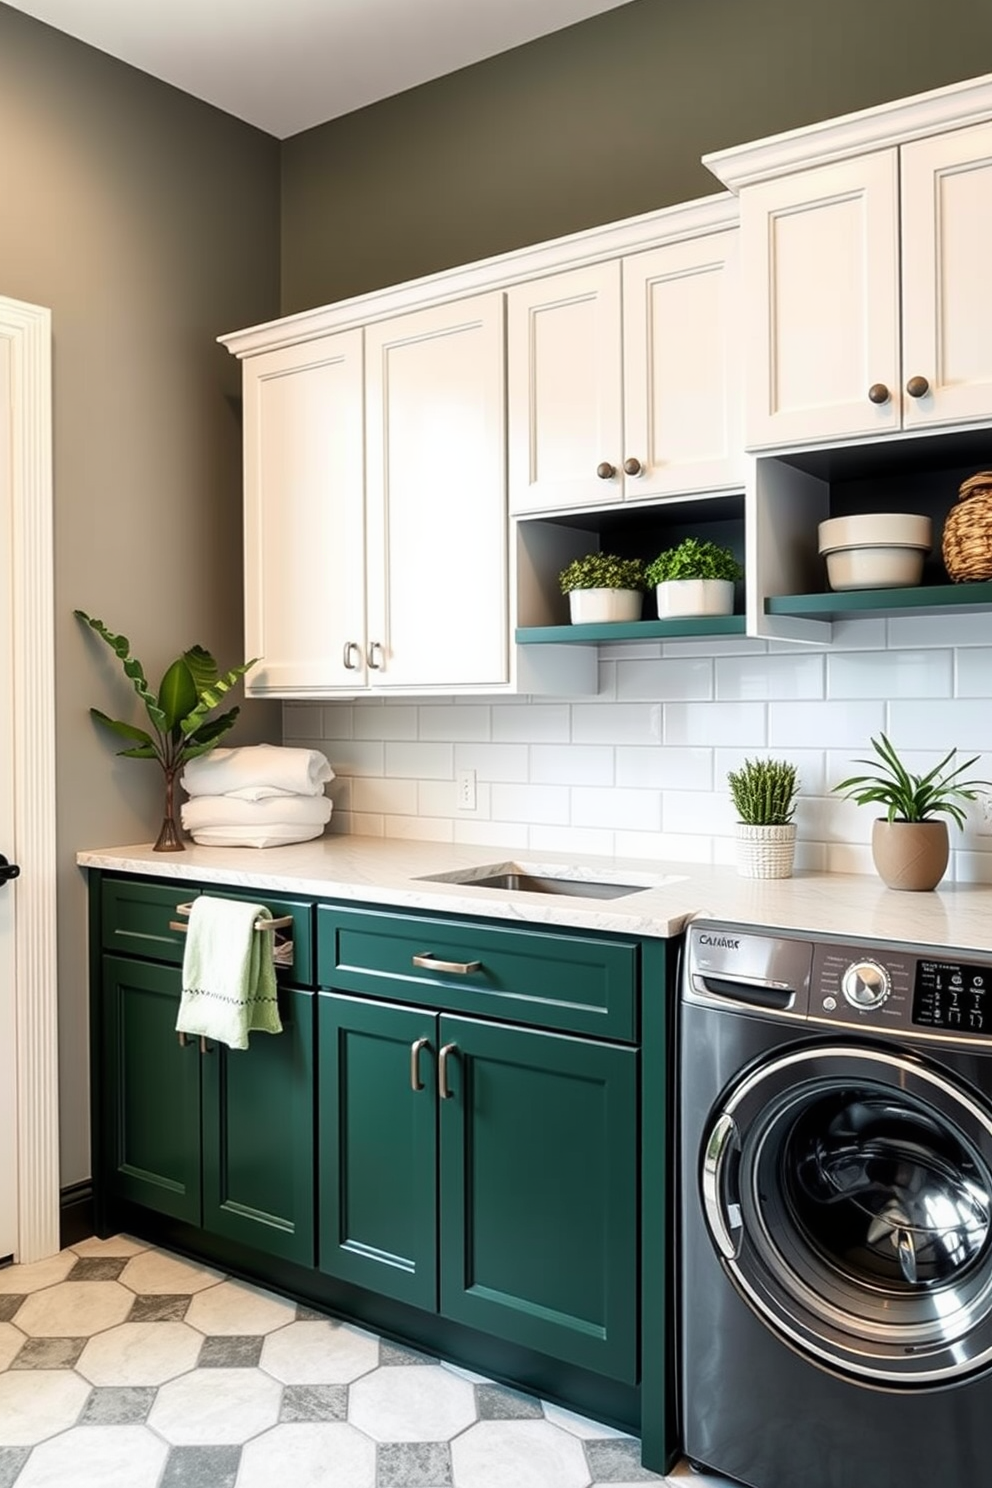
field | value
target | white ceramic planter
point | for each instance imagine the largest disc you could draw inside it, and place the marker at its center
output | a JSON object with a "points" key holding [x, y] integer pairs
{"points": [[596, 606], [678, 597], [875, 550], [765, 852]]}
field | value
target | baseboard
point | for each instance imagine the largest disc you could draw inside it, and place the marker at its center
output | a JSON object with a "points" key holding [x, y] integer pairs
{"points": [[75, 1213]]}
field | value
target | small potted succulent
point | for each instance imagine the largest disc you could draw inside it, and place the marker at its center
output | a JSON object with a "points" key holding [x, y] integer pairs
{"points": [[909, 844], [764, 794], [601, 586], [695, 578]]}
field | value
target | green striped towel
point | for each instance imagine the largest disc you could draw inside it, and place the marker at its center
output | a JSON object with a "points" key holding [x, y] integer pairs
{"points": [[229, 981]]}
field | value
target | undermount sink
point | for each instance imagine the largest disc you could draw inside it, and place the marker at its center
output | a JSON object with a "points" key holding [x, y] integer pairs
{"points": [[540, 878]]}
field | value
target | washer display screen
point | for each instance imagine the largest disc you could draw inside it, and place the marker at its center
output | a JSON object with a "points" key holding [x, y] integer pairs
{"points": [[953, 997]]}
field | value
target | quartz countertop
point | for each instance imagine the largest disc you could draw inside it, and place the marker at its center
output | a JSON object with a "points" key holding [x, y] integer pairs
{"points": [[394, 872]]}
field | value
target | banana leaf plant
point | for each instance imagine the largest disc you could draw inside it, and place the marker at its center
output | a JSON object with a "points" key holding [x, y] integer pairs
{"points": [[190, 690]]}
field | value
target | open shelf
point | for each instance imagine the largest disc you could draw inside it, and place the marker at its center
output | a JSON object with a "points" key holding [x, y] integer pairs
{"points": [[633, 630], [925, 599]]}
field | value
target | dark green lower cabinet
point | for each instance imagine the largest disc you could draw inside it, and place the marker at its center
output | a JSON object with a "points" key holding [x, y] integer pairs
{"points": [[502, 1193], [220, 1138]]}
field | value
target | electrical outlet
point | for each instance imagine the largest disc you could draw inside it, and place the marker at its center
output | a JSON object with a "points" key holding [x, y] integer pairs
{"points": [[465, 785]]}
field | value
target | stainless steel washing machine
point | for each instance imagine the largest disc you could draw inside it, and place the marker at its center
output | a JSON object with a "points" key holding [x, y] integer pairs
{"points": [[836, 1217]]}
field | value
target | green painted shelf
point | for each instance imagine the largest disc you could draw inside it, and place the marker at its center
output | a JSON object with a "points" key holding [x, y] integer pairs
{"points": [[926, 599], [634, 630]]}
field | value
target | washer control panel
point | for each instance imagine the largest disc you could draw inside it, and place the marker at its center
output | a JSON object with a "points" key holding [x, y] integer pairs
{"points": [[953, 996], [893, 990], [866, 984]]}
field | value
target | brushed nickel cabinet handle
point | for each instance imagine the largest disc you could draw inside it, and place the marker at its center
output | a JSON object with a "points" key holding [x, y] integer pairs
{"points": [[917, 387], [633, 466], [443, 1088], [351, 650], [878, 393], [416, 1083], [373, 647], [606, 471], [431, 963], [183, 1039], [205, 1048]]}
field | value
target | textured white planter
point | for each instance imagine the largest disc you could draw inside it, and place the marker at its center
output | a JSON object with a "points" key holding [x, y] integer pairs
{"points": [[594, 606], [765, 852], [678, 597]]}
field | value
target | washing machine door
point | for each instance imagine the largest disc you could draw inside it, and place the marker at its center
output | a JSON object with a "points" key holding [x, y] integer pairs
{"points": [[849, 1193]]}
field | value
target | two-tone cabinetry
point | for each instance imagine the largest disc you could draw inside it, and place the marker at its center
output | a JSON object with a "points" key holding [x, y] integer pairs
{"points": [[449, 1126]]}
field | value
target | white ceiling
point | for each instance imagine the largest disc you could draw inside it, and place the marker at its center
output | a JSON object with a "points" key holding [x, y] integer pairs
{"points": [[285, 65]]}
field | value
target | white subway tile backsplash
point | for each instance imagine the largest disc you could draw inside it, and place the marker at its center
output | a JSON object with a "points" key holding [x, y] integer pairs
{"points": [[710, 813], [973, 672], [488, 834], [378, 721], [668, 768], [965, 723], [302, 721], [596, 840], [440, 798], [454, 723], [508, 762], [540, 723], [392, 797], [421, 761], [617, 809], [753, 678], [421, 828], [547, 804], [571, 764], [683, 679], [890, 674], [616, 723], [664, 847], [830, 724], [337, 721], [811, 772], [941, 630], [713, 723], [356, 757]]}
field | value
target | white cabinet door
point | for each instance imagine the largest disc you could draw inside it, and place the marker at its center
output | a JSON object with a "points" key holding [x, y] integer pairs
{"points": [[947, 276], [820, 272], [304, 527], [565, 391], [438, 605], [683, 376]]}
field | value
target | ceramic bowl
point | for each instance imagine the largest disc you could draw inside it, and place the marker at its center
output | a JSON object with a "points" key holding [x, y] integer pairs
{"points": [[875, 550]]}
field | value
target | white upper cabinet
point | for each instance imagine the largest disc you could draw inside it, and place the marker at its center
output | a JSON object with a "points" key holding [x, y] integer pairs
{"points": [[866, 290], [624, 379]]}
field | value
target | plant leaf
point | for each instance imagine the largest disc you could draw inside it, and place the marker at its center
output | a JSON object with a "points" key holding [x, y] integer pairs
{"points": [[211, 695], [202, 669], [124, 730], [177, 694], [121, 647]]}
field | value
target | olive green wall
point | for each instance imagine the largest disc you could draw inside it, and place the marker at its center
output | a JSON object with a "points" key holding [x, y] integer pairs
{"points": [[148, 223], [601, 121]]}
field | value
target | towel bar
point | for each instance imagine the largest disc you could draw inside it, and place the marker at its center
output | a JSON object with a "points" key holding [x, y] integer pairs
{"points": [[279, 923]]}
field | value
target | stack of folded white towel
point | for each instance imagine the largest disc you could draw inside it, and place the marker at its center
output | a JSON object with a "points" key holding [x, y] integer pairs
{"points": [[261, 795]]}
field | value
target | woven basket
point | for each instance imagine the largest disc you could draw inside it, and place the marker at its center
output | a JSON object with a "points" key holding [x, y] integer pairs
{"points": [[967, 540], [765, 852]]}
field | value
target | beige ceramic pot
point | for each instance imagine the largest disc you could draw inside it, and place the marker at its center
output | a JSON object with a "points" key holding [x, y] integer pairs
{"points": [[910, 855]]}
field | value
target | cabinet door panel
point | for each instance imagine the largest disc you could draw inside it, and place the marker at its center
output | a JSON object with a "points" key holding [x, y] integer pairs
{"points": [[683, 375], [539, 1192], [258, 1146], [820, 260], [947, 282], [304, 526], [153, 1094], [564, 382], [438, 601], [378, 1148]]}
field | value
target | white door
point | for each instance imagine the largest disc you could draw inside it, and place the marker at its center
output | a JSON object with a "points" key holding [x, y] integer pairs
{"points": [[947, 278], [820, 286], [8, 839], [683, 371], [304, 518], [437, 583], [565, 393]]}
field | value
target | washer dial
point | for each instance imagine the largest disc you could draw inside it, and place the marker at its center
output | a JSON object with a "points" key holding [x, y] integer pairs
{"points": [[866, 985]]}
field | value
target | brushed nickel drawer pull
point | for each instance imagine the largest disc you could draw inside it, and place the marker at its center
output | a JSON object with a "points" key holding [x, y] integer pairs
{"points": [[430, 963], [183, 1039], [205, 1048], [279, 923], [443, 1088], [416, 1083]]}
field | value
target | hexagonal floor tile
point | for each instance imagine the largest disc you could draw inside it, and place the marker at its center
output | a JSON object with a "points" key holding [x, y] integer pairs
{"points": [[309, 1456], [234, 1308], [11, 1342], [518, 1454], [117, 1245], [37, 1403], [321, 1353], [39, 1274], [394, 1404], [74, 1309], [155, 1271], [140, 1354], [217, 1406], [97, 1457]]}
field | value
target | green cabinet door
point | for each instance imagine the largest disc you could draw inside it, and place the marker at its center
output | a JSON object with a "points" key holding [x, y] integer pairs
{"points": [[258, 1150], [152, 1091], [538, 1182], [377, 1143]]}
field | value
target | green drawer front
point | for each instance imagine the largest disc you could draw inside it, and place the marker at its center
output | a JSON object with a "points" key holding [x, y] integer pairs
{"points": [[135, 918], [582, 984], [300, 970]]}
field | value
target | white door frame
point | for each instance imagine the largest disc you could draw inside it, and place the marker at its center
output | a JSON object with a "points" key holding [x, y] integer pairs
{"points": [[27, 330]]}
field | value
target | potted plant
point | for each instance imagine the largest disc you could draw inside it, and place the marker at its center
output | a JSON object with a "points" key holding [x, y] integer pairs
{"points": [[695, 578], [764, 794], [909, 844], [190, 689], [601, 586]]}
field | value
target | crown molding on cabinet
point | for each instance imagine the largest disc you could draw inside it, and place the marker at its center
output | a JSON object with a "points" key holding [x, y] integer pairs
{"points": [[612, 240], [953, 107]]}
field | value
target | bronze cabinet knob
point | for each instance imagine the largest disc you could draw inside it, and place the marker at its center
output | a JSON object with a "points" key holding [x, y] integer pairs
{"points": [[878, 393], [917, 387], [633, 466], [606, 471]]}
